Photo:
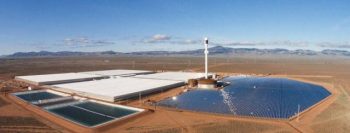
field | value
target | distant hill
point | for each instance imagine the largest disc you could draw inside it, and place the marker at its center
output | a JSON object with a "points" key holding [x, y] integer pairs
{"points": [[61, 53], [220, 50], [217, 50]]}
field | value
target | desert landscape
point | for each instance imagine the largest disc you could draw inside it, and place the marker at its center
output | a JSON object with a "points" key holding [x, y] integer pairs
{"points": [[330, 115], [174, 66]]}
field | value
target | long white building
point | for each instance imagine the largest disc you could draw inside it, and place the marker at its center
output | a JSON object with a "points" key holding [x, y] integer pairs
{"points": [[112, 85], [49, 79], [117, 88], [175, 76]]}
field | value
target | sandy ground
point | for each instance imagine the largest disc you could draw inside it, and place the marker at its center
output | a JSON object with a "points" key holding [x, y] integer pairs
{"points": [[331, 115], [13, 118]]}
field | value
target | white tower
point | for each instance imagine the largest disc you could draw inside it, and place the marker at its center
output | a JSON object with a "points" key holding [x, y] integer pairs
{"points": [[206, 52]]}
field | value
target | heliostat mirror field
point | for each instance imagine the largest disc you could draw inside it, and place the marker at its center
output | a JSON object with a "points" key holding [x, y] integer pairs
{"points": [[252, 96]]}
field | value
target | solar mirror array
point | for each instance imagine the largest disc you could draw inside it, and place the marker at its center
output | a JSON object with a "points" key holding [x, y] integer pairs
{"points": [[276, 98]]}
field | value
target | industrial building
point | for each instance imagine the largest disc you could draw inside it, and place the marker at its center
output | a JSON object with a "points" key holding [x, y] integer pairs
{"points": [[174, 76], [49, 79], [115, 89], [118, 72], [112, 85]]}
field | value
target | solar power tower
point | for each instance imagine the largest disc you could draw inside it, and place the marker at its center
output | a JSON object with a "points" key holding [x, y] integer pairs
{"points": [[206, 52]]}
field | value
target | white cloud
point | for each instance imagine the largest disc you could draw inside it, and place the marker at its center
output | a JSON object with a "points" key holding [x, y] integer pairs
{"points": [[166, 39], [264, 43], [85, 42], [161, 37], [157, 38], [185, 41]]}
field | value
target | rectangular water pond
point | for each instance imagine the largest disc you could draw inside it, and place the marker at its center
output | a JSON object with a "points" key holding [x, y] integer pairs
{"points": [[88, 113], [34, 96], [92, 114]]}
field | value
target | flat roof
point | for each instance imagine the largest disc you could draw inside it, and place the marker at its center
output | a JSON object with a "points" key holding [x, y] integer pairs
{"points": [[56, 78], [117, 72], [116, 88], [176, 76]]}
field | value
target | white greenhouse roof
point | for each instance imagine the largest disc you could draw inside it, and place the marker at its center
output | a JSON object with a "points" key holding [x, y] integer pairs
{"points": [[118, 72], [176, 76], [117, 88], [56, 78]]}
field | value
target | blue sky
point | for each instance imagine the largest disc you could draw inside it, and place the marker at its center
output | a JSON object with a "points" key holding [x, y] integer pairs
{"points": [[138, 25]]}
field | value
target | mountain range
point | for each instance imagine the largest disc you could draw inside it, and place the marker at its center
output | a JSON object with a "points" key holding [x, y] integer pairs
{"points": [[217, 50]]}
